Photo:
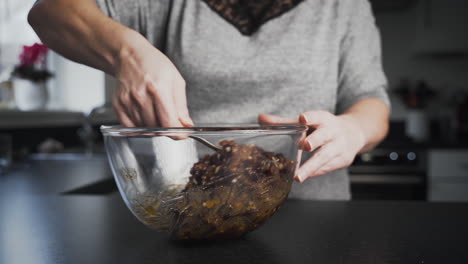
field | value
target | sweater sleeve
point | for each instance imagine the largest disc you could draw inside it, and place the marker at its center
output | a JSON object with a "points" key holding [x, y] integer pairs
{"points": [[360, 66], [148, 17]]}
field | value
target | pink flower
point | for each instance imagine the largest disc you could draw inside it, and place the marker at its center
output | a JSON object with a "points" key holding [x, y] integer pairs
{"points": [[32, 54]]}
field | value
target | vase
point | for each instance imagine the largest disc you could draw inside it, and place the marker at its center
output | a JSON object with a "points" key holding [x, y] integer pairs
{"points": [[417, 125], [30, 95]]}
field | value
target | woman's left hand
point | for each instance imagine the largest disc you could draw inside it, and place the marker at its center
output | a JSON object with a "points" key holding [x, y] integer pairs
{"points": [[336, 140]]}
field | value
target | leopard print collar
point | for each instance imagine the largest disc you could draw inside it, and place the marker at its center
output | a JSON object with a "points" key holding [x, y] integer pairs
{"points": [[249, 15]]}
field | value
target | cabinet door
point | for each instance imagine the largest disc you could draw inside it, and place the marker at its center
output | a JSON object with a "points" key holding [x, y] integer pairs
{"points": [[448, 175], [448, 164]]}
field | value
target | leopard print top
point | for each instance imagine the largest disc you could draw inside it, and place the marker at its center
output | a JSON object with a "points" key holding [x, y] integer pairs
{"points": [[247, 15]]}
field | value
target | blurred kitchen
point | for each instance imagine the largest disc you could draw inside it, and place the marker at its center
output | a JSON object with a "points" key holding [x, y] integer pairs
{"points": [[54, 112]]}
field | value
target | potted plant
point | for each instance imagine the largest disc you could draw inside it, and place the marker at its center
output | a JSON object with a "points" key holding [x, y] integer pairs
{"points": [[29, 78]]}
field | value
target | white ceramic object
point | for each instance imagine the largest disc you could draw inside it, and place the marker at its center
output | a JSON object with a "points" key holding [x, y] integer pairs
{"points": [[30, 95], [417, 125]]}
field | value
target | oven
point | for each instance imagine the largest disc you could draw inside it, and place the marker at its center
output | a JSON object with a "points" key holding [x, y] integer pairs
{"points": [[389, 174]]}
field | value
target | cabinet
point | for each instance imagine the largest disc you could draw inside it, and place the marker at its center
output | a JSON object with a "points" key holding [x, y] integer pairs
{"points": [[448, 175]]}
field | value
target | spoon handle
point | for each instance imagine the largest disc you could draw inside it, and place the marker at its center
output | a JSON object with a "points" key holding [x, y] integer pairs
{"points": [[206, 143]]}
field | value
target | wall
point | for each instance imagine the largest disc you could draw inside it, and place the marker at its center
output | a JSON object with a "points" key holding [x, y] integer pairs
{"points": [[74, 87], [14, 29], [400, 32]]}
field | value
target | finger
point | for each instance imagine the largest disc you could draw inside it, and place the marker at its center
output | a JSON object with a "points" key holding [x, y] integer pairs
{"points": [[319, 137], [319, 159], [267, 119], [327, 167], [156, 120], [315, 118], [127, 105], [298, 164], [180, 100], [333, 164], [131, 109], [123, 117], [136, 117], [143, 109], [165, 109]]}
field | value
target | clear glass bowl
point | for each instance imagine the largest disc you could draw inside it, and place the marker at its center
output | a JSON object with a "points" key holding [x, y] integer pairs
{"points": [[173, 183]]}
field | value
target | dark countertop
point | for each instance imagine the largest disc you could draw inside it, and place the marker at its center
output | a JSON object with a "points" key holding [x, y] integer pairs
{"points": [[54, 173], [38, 225]]}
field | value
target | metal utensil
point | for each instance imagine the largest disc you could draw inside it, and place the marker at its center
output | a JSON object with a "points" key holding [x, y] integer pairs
{"points": [[207, 143]]}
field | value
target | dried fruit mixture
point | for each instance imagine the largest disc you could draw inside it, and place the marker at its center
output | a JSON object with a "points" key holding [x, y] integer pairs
{"points": [[229, 193]]}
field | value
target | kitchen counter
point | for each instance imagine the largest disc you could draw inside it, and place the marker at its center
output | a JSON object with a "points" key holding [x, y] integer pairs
{"points": [[39, 118], [15, 119], [40, 225], [53, 174]]}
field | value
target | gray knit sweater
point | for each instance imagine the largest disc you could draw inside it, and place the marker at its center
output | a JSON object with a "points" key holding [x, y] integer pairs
{"points": [[321, 55]]}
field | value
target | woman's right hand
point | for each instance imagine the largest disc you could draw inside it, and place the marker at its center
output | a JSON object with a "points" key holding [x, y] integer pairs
{"points": [[151, 91]]}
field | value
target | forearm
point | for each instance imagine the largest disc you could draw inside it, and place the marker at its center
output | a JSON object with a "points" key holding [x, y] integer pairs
{"points": [[372, 117], [79, 31]]}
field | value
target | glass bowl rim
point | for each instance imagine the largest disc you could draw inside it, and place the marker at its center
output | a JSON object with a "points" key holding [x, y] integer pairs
{"points": [[205, 129]]}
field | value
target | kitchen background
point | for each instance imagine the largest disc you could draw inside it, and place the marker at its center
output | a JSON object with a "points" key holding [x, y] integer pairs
{"points": [[425, 56]]}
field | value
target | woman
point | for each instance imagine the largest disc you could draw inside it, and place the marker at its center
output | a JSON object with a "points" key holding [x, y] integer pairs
{"points": [[315, 62]]}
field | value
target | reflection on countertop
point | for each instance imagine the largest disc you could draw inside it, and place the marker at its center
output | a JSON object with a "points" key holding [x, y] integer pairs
{"points": [[54, 173]]}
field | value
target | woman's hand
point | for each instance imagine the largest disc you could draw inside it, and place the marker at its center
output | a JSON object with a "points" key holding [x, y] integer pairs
{"points": [[151, 91], [336, 140]]}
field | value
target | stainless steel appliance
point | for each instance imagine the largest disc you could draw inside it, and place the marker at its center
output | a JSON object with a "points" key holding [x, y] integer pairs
{"points": [[389, 174]]}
